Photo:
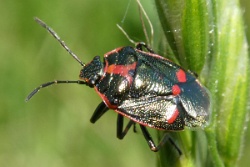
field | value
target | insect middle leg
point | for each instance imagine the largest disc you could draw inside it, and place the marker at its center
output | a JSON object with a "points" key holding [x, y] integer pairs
{"points": [[120, 132]]}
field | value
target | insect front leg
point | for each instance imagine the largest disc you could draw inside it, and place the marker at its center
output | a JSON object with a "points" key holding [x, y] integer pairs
{"points": [[99, 111]]}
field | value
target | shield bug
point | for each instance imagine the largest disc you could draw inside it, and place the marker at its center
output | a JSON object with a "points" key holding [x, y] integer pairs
{"points": [[144, 87]]}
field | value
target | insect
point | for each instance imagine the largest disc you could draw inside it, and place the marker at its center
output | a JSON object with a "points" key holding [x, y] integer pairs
{"points": [[144, 87]]}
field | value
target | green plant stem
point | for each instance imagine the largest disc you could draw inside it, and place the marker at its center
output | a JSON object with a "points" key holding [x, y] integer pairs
{"points": [[208, 37]]}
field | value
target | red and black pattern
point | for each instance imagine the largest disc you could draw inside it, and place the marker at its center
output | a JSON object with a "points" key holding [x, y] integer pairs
{"points": [[148, 89], [144, 87]]}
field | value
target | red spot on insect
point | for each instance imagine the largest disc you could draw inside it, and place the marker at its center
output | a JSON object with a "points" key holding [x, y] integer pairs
{"points": [[122, 70], [181, 75], [176, 90], [173, 116]]}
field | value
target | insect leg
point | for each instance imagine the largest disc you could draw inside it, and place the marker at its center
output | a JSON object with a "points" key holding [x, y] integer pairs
{"points": [[142, 44], [149, 139], [173, 143], [151, 143], [120, 132], [99, 111]]}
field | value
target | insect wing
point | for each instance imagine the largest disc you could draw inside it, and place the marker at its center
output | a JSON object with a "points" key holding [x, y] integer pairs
{"points": [[160, 65], [159, 112], [195, 100]]}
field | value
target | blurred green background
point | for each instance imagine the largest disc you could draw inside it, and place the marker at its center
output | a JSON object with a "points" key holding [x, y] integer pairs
{"points": [[53, 128]]}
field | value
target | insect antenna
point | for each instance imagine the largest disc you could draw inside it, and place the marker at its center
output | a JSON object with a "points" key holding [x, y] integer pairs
{"points": [[48, 84], [54, 34]]}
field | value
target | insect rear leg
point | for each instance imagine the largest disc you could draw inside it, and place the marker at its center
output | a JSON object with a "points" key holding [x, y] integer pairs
{"points": [[99, 111], [173, 143], [151, 143], [120, 133]]}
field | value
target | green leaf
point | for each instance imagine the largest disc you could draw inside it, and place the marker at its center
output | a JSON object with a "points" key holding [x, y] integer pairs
{"points": [[187, 26], [208, 37], [229, 81]]}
